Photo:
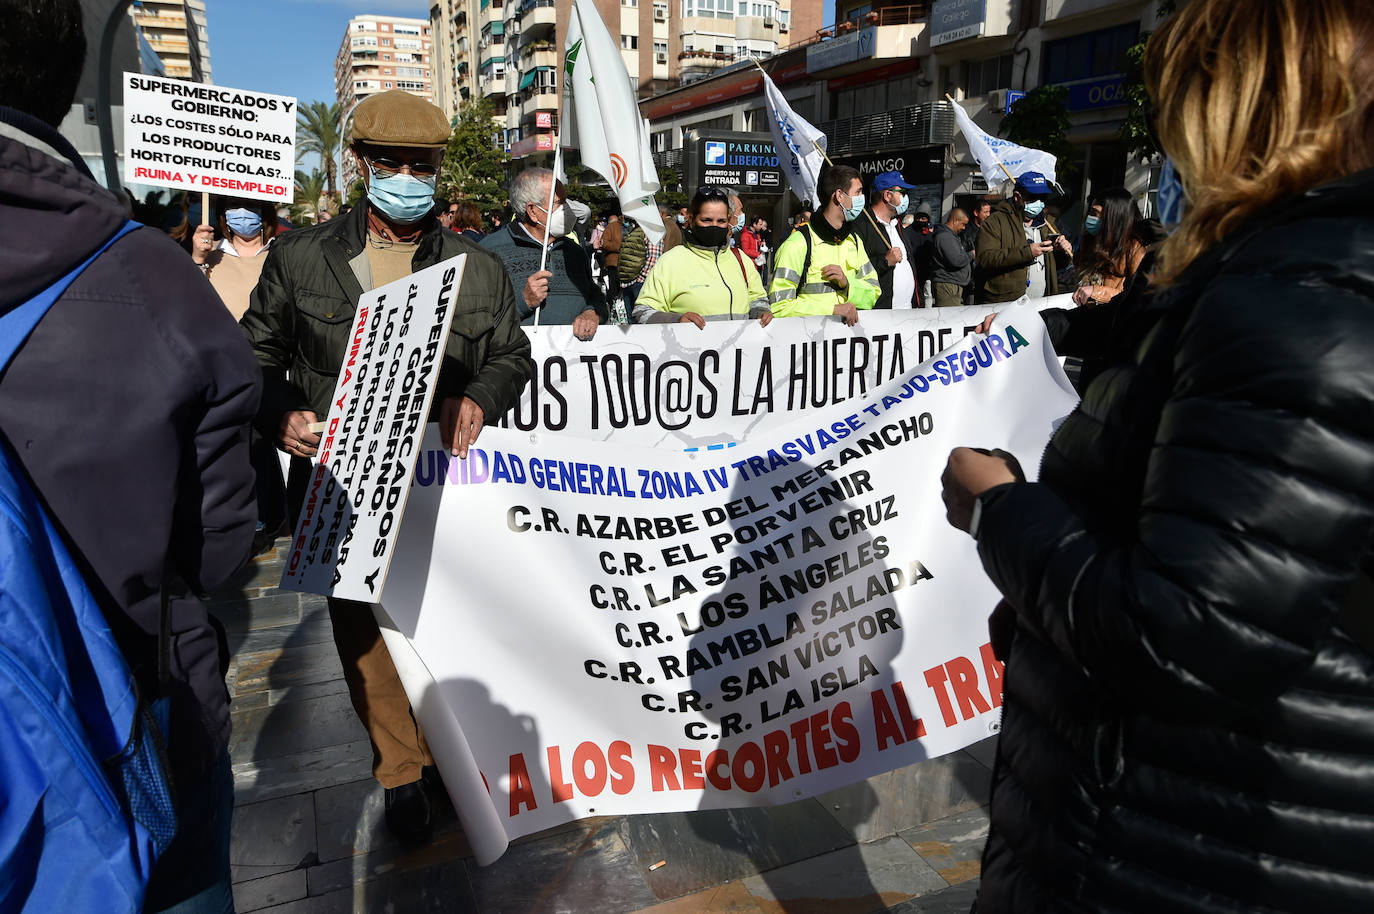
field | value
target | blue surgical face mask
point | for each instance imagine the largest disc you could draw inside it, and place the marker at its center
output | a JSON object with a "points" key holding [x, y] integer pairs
{"points": [[739, 221], [401, 197], [1090, 225], [856, 208], [1172, 200], [1035, 208], [244, 222]]}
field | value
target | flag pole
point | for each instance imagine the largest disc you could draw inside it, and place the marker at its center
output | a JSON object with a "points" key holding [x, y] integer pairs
{"points": [[867, 211], [548, 214]]}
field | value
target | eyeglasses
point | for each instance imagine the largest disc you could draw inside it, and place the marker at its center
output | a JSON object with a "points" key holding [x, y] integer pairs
{"points": [[713, 191], [387, 168]]}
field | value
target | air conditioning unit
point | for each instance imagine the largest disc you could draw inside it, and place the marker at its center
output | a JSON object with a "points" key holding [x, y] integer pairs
{"points": [[660, 15], [660, 58], [997, 101]]}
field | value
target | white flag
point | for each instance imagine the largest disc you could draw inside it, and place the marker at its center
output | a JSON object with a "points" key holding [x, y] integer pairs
{"points": [[993, 152], [800, 146], [614, 140]]}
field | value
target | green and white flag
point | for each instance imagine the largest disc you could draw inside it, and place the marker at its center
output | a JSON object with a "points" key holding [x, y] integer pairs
{"points": [[613, 138]]}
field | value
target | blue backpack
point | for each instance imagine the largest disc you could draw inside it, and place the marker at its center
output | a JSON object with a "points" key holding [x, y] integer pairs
{"points": [[85, 801]]}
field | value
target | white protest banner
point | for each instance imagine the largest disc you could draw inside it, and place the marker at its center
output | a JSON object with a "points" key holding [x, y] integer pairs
{"points": [[597, 629], [672, 385], [361, 479], [190, 136]]}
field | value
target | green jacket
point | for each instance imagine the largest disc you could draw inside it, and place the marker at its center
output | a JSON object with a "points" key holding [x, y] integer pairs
{"points": [[300, 315], [717, 283], [1004, 254], [633, 251]]}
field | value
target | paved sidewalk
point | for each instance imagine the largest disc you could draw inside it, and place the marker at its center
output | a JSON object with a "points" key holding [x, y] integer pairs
{"points": [[309, 836]]}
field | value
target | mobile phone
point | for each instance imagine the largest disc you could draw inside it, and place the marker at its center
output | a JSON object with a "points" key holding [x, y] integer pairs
{"points": [[1050, 239]]}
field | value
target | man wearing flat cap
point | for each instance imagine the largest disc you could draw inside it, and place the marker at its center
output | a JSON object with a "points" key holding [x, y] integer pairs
{"points": [[298, 323]]}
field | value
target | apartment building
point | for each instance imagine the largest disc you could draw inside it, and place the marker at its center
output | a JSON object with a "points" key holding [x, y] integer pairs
{"points": [[511, 51], [176, 31], [380, 53]]}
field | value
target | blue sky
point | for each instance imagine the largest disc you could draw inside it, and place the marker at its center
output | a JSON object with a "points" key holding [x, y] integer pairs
{"points": [[288, 46]]}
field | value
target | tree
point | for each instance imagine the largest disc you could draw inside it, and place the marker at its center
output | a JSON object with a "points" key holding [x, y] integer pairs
{"points": [[309, 188], [319, 130], [1136, 131], [355, 193], [671, 195], [475, 159], [1041, 121], [587, 186]]}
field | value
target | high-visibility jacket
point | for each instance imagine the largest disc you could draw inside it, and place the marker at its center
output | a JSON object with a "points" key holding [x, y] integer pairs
{"points": [[717, 283], [792, 295]]}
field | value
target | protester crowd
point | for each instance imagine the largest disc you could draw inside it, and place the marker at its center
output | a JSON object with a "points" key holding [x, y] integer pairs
{"points": [[1188, 617]]}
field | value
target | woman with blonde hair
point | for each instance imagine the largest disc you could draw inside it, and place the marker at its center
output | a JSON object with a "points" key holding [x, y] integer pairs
{"points": [[1188, 623]]}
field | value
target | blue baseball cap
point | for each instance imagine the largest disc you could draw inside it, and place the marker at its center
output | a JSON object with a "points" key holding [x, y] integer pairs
{"points": [[889, 179], [1033, 182]]}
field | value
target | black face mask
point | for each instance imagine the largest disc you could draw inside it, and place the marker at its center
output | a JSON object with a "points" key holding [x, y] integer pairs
{"points": [[708, 236]]}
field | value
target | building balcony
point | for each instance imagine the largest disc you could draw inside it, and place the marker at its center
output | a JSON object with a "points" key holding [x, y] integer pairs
{"points": [[707, 60], [541, 99], [539, 54], [929, 124], [537, 17]]}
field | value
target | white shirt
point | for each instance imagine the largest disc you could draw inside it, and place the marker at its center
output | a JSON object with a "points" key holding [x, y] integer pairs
{"points": [[903, 276], [1035, 273]]}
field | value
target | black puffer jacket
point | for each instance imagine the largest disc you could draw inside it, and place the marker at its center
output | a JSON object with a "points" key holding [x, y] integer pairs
{"points": [[1187, 726]]}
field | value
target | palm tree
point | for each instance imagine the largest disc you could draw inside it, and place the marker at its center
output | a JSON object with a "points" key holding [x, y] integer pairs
{"points": [[319, 130], [309, 187]]}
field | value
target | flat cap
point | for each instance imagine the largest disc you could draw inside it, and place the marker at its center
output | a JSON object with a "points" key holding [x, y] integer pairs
{"points": [[397, 118]]}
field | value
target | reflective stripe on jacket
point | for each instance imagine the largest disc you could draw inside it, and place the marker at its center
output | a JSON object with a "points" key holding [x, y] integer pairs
{"points": [[791, 295]]}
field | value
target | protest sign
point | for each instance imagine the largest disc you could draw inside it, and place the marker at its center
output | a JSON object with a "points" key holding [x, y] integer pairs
{"points": [[673, 386], [191, 136], [596, 628], [361, 478]]}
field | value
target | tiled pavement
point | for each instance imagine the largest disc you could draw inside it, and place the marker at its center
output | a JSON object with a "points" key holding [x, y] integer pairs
{"points": [[309, 836]]}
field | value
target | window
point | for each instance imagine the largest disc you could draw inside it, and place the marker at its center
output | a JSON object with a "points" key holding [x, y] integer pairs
{"points": [[409, 84], [660, 12], [979, 77], [725, 9], [784, 19], [1101, 53], [385, 27], [658, 142], [409, 44], [660, 52], [386, 42], [388, 85], [407, 30], [629, 42], [632, 3], [417, 72]]}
